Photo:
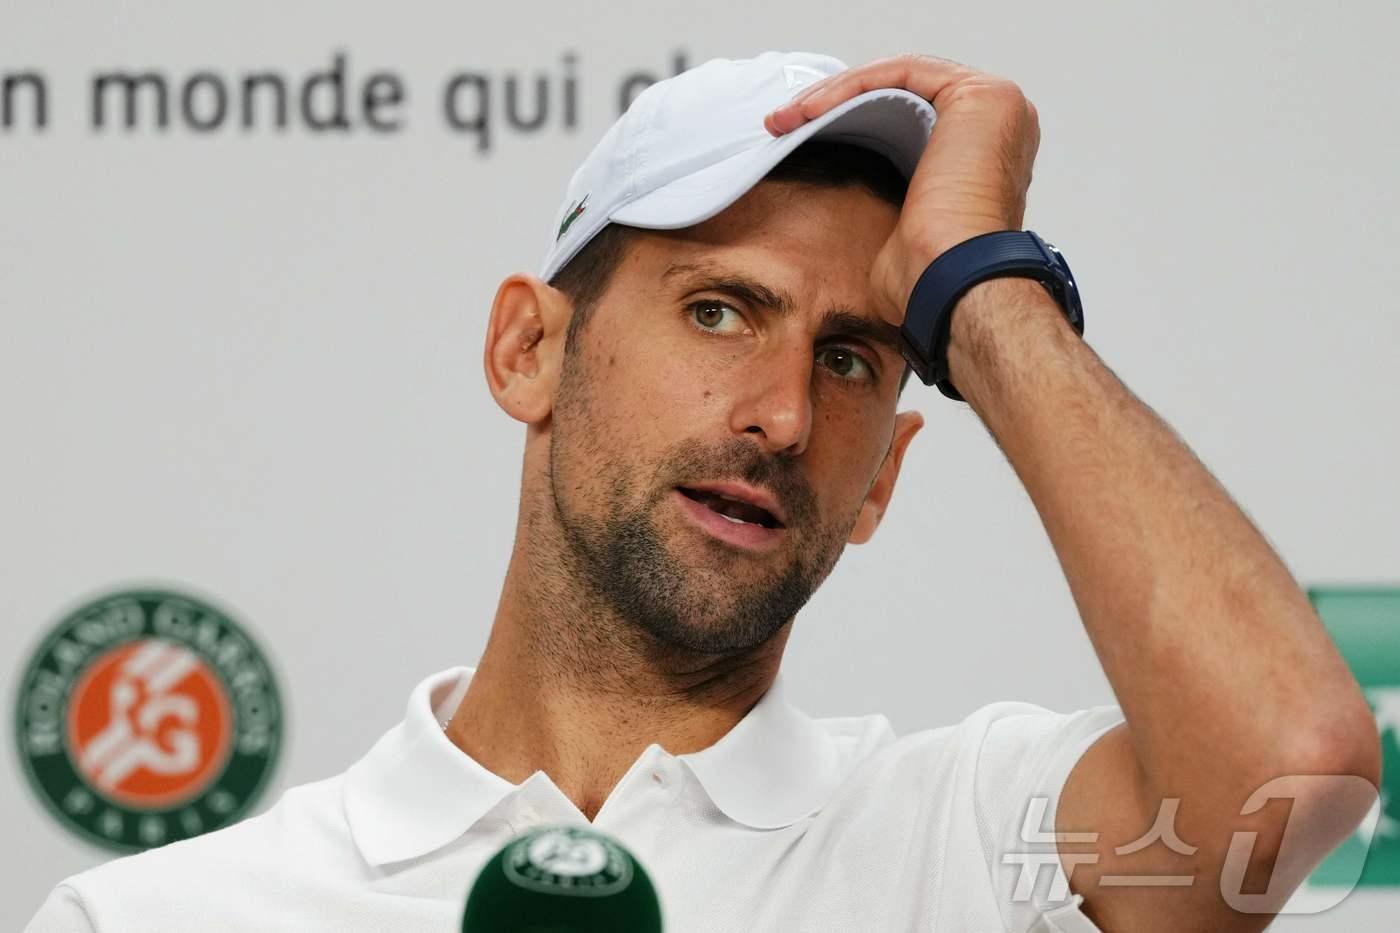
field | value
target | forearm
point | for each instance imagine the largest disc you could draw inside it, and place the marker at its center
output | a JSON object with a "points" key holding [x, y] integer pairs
{"points": [[1214, 653]]}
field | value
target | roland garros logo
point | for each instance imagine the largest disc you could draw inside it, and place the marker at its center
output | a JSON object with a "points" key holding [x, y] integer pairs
{"points": [[147, 717], [568, 860]]}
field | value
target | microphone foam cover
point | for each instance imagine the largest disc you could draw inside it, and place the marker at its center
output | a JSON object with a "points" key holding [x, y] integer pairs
{"points": [[562, 879]]}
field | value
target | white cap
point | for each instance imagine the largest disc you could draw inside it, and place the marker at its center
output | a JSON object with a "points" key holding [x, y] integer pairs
{"points": [[690, 146]]}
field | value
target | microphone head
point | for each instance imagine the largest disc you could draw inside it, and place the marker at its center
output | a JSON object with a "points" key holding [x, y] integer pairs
{"points": [[562, 879]]}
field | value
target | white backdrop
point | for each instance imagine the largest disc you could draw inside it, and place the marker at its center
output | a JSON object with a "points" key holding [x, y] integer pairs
{"points": [[248, 363]]}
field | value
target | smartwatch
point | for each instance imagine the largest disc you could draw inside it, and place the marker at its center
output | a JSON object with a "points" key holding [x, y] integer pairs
{"points": [[928, 318]]}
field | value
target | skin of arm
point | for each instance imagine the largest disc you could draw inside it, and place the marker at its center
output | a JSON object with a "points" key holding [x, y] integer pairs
{"points": [[1226, 677]]}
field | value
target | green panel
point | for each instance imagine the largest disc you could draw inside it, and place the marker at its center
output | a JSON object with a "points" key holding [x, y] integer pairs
{"points": [[1365, 624]]}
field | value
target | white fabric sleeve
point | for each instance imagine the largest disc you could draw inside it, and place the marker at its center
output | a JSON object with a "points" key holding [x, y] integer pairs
{"points": [[1025, 758], [62, 912]]}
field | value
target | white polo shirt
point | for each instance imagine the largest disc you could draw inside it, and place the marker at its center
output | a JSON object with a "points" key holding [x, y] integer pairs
{"points": [[787, 823]]}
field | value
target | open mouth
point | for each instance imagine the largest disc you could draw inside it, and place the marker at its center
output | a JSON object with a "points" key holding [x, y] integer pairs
{"points": [[735, 510]]}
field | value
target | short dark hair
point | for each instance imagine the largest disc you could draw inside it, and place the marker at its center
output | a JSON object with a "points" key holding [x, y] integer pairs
{"points": [[820, 163]]}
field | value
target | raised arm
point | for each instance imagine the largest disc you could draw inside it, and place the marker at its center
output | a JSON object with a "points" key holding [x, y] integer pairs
{"points": [[1225, 675]]}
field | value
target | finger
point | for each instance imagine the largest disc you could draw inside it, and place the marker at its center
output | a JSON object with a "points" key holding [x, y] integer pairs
{"points": [[814, 86], [778, 129], [924, 75], [833, 91]]}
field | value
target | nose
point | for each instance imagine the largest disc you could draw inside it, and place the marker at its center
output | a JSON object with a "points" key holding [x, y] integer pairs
{"points": [[774, 404]]}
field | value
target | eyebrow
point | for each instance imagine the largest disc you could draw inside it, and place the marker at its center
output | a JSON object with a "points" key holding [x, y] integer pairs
{"points": [[708, 275], [838, 321]]}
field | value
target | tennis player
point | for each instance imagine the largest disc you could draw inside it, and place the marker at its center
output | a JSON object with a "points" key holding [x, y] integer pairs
{"points": [[708, 367]]}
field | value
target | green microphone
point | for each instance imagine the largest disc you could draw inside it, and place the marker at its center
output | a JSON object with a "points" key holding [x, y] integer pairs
{"points": [[562, 879]]}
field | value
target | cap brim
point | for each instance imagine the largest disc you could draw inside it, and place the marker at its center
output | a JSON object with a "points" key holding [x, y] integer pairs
{"points": [[891, 121]]}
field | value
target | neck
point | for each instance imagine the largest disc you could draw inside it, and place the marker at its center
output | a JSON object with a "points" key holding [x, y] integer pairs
{"points": [[568, 687]]}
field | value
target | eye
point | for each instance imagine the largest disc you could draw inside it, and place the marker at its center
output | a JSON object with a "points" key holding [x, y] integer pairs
{"points": [[716, 317], [846, 363]]}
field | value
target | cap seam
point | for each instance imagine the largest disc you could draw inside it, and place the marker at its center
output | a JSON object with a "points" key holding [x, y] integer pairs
{"points": [[634, 155]]}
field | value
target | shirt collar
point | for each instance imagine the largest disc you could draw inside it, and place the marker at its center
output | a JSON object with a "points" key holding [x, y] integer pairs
{"points": [[414, 791], [773, 768]]}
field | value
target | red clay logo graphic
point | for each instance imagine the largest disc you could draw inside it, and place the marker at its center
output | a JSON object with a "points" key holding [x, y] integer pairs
{"points": [[150, 723]]}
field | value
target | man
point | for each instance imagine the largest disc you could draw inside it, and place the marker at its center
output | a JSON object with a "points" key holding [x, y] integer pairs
{"points": [[708, 370]]}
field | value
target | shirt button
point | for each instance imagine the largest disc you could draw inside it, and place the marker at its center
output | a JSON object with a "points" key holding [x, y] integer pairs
{"points": [[527, 817]]}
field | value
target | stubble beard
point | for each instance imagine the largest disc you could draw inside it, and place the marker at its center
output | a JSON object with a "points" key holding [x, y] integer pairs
{"points": [[709, 603]]}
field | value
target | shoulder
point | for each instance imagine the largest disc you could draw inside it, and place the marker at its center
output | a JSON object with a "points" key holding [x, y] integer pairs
{"points": [[230, 870], [953, 801], [1023, 745]]}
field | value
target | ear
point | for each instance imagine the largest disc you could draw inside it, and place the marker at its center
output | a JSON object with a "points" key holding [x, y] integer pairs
{"points": [[906, 425], [525, 346]]}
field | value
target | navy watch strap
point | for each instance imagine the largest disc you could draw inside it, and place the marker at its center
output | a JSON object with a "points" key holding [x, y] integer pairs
{"points": [[928, 318]]}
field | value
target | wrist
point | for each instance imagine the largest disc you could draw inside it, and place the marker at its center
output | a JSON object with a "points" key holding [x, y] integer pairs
{"points": [[990, 320], [948, 284], [902, 262]]}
